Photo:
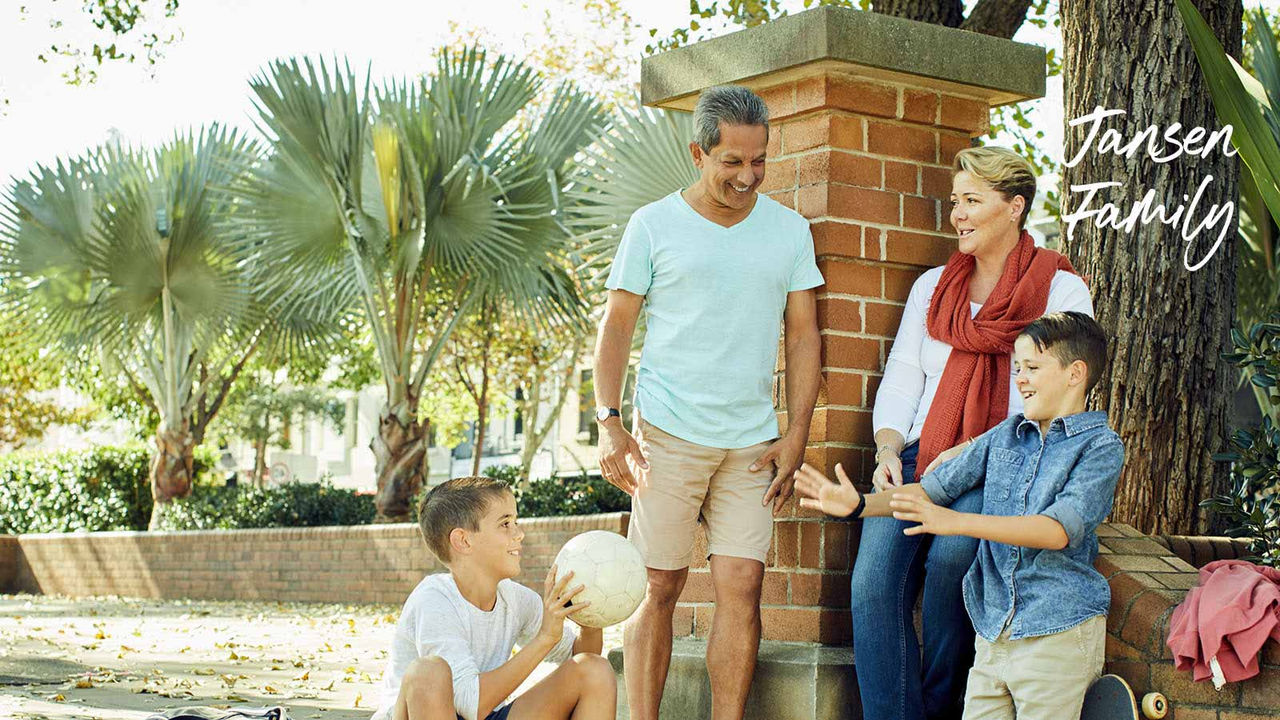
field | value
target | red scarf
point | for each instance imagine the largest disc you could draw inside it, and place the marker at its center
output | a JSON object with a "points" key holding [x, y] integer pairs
{"points": [[973, 394]]}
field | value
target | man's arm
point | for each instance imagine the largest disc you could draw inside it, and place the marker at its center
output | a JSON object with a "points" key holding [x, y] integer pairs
{"points": [[803, 375], [613, 347]]}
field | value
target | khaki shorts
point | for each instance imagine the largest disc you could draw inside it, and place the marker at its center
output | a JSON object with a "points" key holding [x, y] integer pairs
{"points": [[1038, 678], [687, 483]]}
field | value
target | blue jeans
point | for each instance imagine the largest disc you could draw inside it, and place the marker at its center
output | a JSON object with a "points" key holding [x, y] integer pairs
{"points": [[897, 681]]}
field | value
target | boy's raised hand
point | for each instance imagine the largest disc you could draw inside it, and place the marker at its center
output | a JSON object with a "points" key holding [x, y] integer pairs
{"points": [[915, 506], [817, 492], [555, 605]]}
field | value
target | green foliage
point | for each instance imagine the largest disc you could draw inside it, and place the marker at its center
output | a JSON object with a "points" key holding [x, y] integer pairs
{"points": [[1252, 502], [556, 497], [108, 488], [26, 413], [289, 505], [1248, 102], [104, 488], [553, 497], [122, 30]]}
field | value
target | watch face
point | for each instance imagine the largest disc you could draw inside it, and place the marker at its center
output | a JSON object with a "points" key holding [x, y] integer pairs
{"points": [[602, 414]]}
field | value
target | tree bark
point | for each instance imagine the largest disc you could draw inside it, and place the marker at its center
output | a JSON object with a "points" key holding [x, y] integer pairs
{"points": [[482, 418], [939, 12], [1000, 18], [1166, 390], [400, 460], [172, 469], [260, 462]]}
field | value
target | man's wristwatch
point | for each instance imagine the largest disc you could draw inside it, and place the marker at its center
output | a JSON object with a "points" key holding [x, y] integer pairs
{"points": [[604, 413]]}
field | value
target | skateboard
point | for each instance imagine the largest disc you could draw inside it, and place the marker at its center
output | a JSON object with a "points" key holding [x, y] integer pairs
{"points": [[1111, 698]]}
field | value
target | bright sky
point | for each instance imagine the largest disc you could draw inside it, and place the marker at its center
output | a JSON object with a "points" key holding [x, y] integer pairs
{"points": [[204, 76]]}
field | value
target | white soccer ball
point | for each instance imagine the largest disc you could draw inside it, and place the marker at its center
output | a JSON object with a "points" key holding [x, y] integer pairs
{"points": [[611, 572]]}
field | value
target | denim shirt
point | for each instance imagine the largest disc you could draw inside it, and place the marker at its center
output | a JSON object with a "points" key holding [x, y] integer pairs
{"points": [[1069, 475]]}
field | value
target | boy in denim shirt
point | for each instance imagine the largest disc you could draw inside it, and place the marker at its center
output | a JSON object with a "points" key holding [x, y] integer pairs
{"points": [[1049, 477]]}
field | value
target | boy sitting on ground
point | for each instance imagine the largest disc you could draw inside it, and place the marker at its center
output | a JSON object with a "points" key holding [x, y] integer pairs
{"points": [[1048, 477], [451, 656]]}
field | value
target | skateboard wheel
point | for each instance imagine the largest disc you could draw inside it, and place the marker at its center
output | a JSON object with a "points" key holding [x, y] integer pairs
{"points": [[1154, 706]]}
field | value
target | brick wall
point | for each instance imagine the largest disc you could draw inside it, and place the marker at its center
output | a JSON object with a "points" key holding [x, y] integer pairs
{"points": [[11, 565], [1149, 577], [358, 564], [868, 162]]}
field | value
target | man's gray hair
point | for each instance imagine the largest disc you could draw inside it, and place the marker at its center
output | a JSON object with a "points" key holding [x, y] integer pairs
{"points": [[729, 104]]}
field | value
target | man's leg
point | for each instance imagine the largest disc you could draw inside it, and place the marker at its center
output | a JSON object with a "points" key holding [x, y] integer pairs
{"points": [[735, 634], [582, 688], [426, 691], [646, 642]]}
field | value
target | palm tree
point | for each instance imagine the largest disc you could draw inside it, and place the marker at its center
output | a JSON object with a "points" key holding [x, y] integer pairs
{"points": [[409, 203], [644, 157], [129, 254]]}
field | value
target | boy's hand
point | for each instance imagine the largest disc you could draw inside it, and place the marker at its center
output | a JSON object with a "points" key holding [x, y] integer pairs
{"points": [[817, 492], [911, 505], [555, 606]]}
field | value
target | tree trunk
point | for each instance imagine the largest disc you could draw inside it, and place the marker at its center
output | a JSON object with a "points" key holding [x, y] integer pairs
{"points": [[482, 419], [260, 463], [172, 469], [939, 12], [1000, 18], [1166, 390], [400, 460]]}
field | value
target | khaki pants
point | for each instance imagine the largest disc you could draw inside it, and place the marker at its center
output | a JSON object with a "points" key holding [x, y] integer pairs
{"points": [[687, 483], [1039, 678]]}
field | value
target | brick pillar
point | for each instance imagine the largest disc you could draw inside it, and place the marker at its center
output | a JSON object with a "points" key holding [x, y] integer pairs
{"points": [[867, 113]]}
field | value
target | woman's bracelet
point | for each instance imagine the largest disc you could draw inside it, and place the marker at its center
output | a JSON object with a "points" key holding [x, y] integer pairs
{"points": [[881, 449]]}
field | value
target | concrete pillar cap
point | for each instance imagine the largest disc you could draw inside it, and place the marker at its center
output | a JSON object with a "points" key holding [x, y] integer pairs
{"points": [[838, 39]]}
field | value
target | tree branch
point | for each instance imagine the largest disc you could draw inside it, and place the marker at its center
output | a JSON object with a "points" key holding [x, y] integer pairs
{"points": [[1000, 18], [949, 13]]}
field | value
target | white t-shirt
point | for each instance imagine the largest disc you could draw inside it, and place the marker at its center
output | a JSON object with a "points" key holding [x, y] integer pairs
{"points": [[714, 302], [437, 620], [917, 360]]}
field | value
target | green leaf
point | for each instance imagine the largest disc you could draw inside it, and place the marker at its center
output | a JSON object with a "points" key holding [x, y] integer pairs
{"points": [[1252, 136]]}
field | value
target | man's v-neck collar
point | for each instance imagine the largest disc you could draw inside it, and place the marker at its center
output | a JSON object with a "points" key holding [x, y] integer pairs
{"points": [[723, 228]]}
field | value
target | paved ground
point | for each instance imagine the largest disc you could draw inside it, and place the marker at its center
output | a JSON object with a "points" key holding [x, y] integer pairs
{"points": [[122, 659]]}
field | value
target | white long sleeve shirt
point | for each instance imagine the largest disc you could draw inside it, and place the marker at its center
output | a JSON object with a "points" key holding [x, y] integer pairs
{"points": [[437, 620], [917, 360]]}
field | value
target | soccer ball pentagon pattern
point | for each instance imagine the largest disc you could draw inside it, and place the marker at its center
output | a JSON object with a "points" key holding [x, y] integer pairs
{"points": [[611, 572]]}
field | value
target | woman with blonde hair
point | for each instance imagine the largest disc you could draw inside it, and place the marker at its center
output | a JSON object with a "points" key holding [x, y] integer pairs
{"points": [[948, 379]]}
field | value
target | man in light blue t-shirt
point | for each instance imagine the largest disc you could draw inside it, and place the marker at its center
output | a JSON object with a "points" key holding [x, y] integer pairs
{"points": [[718, 270]]}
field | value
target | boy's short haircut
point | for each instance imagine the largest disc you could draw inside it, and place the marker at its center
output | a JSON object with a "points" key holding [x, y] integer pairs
{"points": [[457, 503], [1072, 336]]}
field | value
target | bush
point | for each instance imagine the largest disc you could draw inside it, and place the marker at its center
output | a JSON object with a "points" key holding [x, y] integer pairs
{"points": [[554, 497], [289, 505], [104, 488], [109, 488], [1251, 504]]}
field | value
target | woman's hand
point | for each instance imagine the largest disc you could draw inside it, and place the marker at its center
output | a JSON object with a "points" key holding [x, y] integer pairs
{"points": [[817, 492], [888, 473], [946, 455]]}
